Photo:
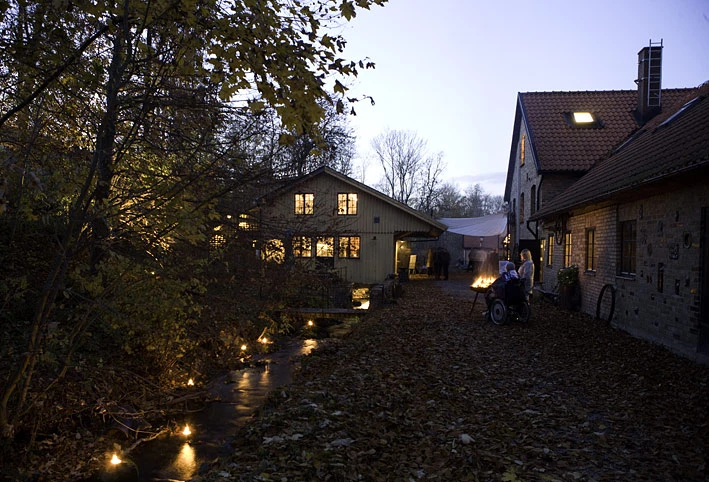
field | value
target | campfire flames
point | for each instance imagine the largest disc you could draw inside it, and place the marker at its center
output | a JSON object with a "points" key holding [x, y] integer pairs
{"points": [[482, 282]]}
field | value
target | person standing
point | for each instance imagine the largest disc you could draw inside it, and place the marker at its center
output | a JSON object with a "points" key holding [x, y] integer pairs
{"points": [[437, 262], [526, 272], [445, 261]]}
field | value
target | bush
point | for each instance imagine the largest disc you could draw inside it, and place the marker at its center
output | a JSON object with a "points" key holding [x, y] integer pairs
{"points": [[568, 276]]}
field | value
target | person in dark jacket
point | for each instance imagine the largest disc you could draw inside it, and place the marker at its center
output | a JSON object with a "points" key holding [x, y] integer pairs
{"points": [[445, 261]]}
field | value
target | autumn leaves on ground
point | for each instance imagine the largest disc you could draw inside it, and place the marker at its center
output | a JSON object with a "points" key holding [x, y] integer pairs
{"points": [[422, 390]]}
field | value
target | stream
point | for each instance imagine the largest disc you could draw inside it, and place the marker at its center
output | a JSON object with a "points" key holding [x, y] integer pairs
{"points": [[237, 395]]}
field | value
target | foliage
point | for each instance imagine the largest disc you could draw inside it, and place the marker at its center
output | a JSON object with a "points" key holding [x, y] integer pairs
{"points": [[568, 276], [449, 202], [114, 165]]}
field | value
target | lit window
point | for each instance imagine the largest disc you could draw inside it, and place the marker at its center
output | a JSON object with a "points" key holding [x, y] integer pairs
{"points": [[273, 250], [583, 118], [550, 253], [217, 241], [542, 255], [590, 250], [567, 250], [245, 223], [349, 247], [347, 203], [304, 203], [522, 145], [302, 247], [325, 247]]}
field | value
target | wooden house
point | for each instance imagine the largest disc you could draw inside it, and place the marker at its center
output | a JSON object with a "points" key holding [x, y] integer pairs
{"points": [[328, 221]]}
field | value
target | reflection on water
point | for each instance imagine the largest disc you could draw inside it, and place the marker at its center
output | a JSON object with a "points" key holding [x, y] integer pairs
{"points": [[185, 464], [237, 396]]}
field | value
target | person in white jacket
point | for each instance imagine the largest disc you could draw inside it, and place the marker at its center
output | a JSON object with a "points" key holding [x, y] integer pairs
{"points": [[526, 272]]}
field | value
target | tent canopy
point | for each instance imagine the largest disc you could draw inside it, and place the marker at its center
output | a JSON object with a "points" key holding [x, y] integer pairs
{"points": [[492, 225]]}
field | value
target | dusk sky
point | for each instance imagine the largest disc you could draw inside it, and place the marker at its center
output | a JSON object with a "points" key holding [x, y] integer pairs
{"points": [[450, 70]]}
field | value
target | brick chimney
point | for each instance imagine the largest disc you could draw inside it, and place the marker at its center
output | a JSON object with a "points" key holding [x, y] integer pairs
{"points": [[649, 82]]}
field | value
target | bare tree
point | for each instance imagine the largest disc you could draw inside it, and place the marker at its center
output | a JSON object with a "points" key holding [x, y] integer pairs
{"points": [[409, 171], [428, 183]]}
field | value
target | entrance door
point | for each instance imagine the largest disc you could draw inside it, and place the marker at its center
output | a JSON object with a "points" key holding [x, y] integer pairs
{"points": [[703, 342]]}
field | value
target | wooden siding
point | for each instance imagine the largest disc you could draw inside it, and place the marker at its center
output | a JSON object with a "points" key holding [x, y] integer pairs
{"points": [[379, 225]]}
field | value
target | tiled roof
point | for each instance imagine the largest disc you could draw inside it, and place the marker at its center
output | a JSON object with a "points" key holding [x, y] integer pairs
{"points": [[559, 146], [664, 147]]}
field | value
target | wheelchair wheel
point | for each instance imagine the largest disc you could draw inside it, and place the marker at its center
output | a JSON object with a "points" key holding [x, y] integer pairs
{"points": [[498, 312], [524, 310]]}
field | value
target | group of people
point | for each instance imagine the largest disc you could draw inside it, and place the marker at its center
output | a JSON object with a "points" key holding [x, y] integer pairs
{"points": [[440, 260]]}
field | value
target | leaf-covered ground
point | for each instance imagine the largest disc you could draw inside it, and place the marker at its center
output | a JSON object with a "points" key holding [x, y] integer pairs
{"points": [[422, 390]]}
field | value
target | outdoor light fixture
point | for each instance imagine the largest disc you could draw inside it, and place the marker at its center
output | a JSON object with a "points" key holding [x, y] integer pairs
{"points": [[187, 431], [190, 382], [243, 347], [115, 460], [310, 323]]}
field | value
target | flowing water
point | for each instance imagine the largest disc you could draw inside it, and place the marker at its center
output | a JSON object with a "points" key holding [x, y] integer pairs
{"points": [[238, 395]]}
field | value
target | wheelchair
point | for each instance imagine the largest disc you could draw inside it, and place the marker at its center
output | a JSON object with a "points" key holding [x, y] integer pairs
{"points": [[510, 304]]}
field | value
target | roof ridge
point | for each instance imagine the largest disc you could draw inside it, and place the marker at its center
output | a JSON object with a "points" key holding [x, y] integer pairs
{"points": [[601, 91]]}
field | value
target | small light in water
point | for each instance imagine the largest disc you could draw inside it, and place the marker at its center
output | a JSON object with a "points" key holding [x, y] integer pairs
{"points": [[243, 347], [115, 460], [187, 430], [190, 382]]}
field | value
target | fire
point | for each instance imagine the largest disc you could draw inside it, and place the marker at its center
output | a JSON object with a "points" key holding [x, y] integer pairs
{"points": [[483, 282]]}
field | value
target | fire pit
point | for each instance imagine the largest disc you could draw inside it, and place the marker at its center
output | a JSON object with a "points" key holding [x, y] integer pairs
{"points": [[480, 286]]}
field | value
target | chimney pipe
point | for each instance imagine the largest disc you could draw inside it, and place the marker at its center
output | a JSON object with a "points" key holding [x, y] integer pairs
{"points": [[649, 82]]}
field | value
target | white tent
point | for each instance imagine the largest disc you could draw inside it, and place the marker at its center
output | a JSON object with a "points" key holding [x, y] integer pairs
{"points": [[492, 225]]}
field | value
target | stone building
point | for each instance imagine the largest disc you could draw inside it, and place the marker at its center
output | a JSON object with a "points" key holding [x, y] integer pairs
{"points": [[617, 187]]}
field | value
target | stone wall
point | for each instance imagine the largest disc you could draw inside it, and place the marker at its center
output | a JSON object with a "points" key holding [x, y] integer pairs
{"points": [[661, 302]]}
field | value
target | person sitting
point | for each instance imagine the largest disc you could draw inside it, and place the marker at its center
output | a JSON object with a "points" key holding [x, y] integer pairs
{"points": [[497, 288]]}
